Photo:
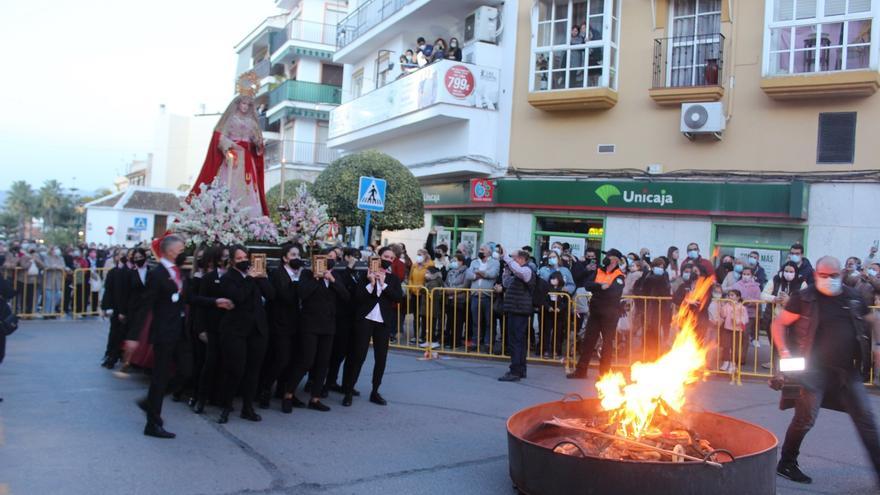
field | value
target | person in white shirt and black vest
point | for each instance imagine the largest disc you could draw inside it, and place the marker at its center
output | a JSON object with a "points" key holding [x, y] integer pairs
{"points": [[828, 324], [376, 298]]}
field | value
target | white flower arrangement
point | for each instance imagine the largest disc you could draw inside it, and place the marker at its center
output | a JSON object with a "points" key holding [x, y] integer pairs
{"points": [[304, 219]]}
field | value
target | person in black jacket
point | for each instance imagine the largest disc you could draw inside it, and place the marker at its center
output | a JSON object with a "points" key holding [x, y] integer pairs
{"points": [[318, 296], [114, 305], [7, 292], [376, 300], [136, 311], [654, 284], [163, 299], [284, 320], [345, 316], [244, 333], [207, 325]]}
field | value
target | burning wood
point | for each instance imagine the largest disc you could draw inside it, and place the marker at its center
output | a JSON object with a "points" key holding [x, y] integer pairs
{"points": [[676, 445]]}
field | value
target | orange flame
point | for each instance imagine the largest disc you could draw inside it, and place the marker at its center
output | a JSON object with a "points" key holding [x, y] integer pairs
{"points": [[661, 384]]}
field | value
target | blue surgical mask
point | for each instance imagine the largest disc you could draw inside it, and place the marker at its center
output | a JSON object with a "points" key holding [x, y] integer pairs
{"points": [[738, 268], [693, 254], [686, 276], [795, 258], [753, 261], [553, 261], [872, 272], [453, 265], [829, 286], [658, 270]]}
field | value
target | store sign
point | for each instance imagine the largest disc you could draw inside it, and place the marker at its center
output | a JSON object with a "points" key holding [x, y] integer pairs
{"points": [[686, 198], [447, 81], [482, 190], [578, 245], [769, 259]]}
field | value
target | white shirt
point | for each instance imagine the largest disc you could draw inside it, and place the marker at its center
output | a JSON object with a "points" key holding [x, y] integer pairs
{"points": [[142, 273], [376, 313], [293, 274]]}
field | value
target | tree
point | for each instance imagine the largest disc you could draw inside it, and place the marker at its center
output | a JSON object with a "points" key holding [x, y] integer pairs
{"points": [[337, 186], [22, 202], [51, 198], [273, 196]]}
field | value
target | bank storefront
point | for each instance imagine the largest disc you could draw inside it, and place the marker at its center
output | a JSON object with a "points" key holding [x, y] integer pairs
{"points": [[723, 218]]}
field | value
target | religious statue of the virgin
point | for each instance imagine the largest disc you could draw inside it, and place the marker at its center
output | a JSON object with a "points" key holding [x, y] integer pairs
{"points": [[235, 154]]}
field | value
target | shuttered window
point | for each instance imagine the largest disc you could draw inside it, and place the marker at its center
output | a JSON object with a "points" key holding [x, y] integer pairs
{"points": [[837, 137]]}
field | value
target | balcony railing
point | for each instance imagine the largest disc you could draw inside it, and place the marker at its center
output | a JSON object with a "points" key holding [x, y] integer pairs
{"points": [[687, 61], [306, 92], [290, 151], [263, 68], [301, 30], [367, 16]]}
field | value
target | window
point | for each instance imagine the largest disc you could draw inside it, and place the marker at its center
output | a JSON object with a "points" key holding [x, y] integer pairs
{"points": [[810, 36], [579, 232], [770, 241], [837, 138], [452, 229], [695, 43], [357, 83], [574, 44], [331, 74]]}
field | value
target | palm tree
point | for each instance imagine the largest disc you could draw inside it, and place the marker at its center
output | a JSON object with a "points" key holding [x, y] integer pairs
{"points": [[22, 202], [51, 198]]}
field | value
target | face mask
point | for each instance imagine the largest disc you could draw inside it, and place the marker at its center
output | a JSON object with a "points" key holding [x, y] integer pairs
{"points": [[140, 262], [122, 260], [331, 264], [386, 264], [716, 295], [180, 260], [420, 259], [685, 276], [77, 254], [693, 254], [295, 264], [453, 265], [795, 258], [788, 276], [482, 256], [738, 268], [829, 286], [747, 278], [557, 250], [57, 252], [495, 255], [243, 266], [658, 270], [753, 261], [872, 272], [552, 261]]}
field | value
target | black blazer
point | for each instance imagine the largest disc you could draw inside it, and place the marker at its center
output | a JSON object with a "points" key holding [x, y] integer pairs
{"points": [[318, 313], [351, 279], [246, 293], [136, 308], [116, 290], [198, 305], [388, 300], [167, 323], [208, 319], [284, 309]]}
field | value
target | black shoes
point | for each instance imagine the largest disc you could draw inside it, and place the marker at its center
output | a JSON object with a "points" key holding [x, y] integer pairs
{"points": [[156, 431], [145, 407], [263, 401], [335, 387], [109, 363], [375, 398], [318, 406], [286, 406], [576, 375], [790, 470], [346, 402], [250, 415], [199, 406], [509, 377], [224, 416], [325, 392]]}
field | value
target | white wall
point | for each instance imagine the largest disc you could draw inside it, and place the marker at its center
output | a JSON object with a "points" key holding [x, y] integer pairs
{"points": [[843, 220], [97, 221], [631, 233], [413, 239], [180, 145], [511, 229]]}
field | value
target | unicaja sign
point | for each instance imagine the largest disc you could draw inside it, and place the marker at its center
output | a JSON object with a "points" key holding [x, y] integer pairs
{"points": [[607, 191]]}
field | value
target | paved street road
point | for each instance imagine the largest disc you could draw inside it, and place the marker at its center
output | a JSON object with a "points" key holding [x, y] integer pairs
{"points": [[67, 426]]}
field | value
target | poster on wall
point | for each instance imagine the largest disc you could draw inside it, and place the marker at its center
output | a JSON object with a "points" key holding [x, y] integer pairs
{"points": [[473, 240], [444, 237], [771, 260], [577, 244]]}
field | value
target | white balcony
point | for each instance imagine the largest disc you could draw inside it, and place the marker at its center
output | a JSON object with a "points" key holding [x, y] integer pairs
{"points": [[301, 38], [439, 94], [375, 23]]}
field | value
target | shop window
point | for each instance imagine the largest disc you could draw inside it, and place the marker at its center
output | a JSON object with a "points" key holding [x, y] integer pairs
{"points": [[453, 229], [575, 44], [815, 36], [578, 232], [772, 243], [837, 137]]}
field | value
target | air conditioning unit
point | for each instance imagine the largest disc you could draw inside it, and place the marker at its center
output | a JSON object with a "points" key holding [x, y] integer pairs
{"points": [[702, 118], [481, 25]]}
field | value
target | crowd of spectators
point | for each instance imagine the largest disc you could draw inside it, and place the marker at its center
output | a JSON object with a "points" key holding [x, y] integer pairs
{"points": [[426, 53]]}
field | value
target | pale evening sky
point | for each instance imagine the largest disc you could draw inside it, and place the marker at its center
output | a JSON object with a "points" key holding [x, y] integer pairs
{"points": [[83, 79]]}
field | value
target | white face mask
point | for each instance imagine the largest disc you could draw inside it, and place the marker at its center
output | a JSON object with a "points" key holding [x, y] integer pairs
{"points": [[686, 276], [872, 272], [788, 276], [57, 252], [747, 278], [453, 264], [495, 255], [829, 286], [420, 259]]}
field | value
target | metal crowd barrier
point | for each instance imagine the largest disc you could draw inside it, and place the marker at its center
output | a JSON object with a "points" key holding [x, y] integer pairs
{"points": [[40, 295], [85, 300]]}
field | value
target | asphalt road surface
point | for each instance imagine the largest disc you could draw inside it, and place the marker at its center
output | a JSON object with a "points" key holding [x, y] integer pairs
{"points": [[68, 426]]}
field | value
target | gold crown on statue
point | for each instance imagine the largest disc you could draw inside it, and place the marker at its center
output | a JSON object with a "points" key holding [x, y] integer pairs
{"points": [[248, 84]]}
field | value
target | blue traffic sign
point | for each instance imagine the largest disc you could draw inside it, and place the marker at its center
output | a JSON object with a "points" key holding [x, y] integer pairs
{"points": [[140, 223], [371, 194]]}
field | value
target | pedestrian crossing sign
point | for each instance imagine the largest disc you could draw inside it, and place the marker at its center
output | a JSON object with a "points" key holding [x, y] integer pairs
{"points": [[371, 194]]}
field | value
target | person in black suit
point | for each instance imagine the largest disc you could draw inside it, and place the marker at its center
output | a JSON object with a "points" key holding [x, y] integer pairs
{"points": [[318, 296], [207, 327], [163, 297], [345, 314], [114, 305], [136, 311], [244, 333], [284, 320], [376, 301]]}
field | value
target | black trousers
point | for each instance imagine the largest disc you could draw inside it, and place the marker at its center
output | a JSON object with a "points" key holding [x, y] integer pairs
{"points": [[210, 369], [848, 385], [279, 356], [342, 340], [601, 322], [364, 331], [312, 355], [242, 358], [117, 334], [164, 356]]}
